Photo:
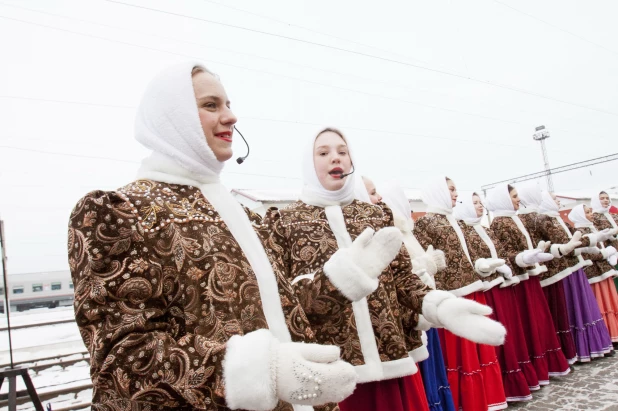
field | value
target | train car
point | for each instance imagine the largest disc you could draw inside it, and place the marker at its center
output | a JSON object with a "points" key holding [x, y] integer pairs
{"points": [[35, 290]]}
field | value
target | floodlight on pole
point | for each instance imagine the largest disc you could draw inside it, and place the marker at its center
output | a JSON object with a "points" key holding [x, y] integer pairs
{"points": [[541, 134]]}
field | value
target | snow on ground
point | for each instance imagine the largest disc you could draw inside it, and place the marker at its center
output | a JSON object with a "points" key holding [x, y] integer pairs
{"points": [[40, 342]]}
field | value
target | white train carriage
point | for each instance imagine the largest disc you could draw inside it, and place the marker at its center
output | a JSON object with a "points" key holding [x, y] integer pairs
{"points": [[36, 290]]}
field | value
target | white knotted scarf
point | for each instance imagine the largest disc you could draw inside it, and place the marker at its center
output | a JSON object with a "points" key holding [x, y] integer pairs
{"points": [[466, 212]]}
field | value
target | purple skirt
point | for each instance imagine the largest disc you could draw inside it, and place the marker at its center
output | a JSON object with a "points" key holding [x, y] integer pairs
{"points": [[589, 330]]}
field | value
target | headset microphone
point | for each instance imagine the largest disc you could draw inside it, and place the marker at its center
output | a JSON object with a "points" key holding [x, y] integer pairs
{"points": [[347, 174], [240, 160]]}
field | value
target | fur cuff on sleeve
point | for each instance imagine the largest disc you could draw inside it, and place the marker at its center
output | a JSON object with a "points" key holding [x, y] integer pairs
{"points": [[519, 260], [423, 324], [587, 250], [555, 250], [247, 374], [349, 279], [593, 238], [431, 302]]}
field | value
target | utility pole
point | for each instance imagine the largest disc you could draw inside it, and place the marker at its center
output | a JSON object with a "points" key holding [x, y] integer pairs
{"points": [[541, 134]]}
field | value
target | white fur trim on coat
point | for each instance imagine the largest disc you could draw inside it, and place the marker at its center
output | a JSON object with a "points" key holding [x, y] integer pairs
{"points": [[468, 289], [513, 281], [488, 285], [419, 354], [533, 272], [608, 274], [247, 374], [385, 370]]}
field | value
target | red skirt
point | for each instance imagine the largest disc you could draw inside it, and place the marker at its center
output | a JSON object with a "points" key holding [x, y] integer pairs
{"points": [[607, 298], [518, 375], [558, 308], [397, 394], [543, 345], [473, 371]]}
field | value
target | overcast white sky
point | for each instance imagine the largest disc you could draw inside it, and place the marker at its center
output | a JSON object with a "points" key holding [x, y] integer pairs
{"points": [[72, 72]]}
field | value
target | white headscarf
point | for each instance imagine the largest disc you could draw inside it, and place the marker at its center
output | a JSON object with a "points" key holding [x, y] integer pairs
{"points": [[578, 217], [437, 197], [465, 211], [168, 123], [395, 198], [530, 196], [548, 205], [499, 202], [595, 203], [360, 191], [314, 193]]}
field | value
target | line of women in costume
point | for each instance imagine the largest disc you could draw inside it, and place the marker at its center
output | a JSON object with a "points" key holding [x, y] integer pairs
{"points": [[549, 284], [186, 300]]}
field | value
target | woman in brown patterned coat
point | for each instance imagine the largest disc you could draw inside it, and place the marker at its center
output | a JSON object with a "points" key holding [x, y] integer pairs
{"points": [[473, 370], [589, 330], [539, 227], [600, 204], [600, 274], [177, 301], [357, 286], [518, 375], [515, 244]]}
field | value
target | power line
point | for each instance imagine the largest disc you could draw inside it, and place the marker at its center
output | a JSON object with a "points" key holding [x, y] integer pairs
{"points": [[310, 30], [278, 75], [32, 150], [399, 62], [570, 33], [297, 122]]}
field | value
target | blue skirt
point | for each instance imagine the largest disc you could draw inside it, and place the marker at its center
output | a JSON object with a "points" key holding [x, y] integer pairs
{"points": [[433, 371]]}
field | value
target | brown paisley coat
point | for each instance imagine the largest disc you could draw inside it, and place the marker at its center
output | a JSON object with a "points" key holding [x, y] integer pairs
{"points": [[160, 286], [542, 227], [600, 269], [478, 249], [510, 243], [458, 276], [601, 223], [302, 235]]}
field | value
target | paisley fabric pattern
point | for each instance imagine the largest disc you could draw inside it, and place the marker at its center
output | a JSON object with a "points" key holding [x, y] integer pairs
{"points": [[477, 247], [510, 242], [600, 265], [305, 241], [160, 286], [601, 223], [542, 227], [434, 229]]}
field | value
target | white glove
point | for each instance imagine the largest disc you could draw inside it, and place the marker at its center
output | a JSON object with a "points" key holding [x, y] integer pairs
{"points": [[613, 260], [355, 270], [560, 250], [531, 257], [601, 236], [462, 317], [424, 264], [487, 266], [608, 251], [437, 256], [543, 246], [587, 250], [312, 374], [422, 324], [506, 271], [427, 279], [258, 371]]}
